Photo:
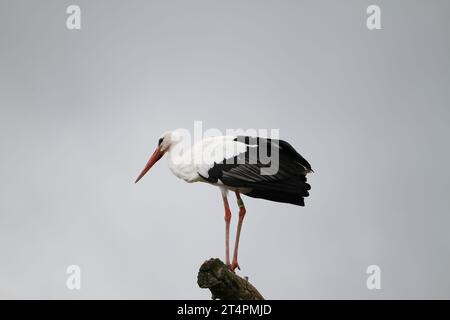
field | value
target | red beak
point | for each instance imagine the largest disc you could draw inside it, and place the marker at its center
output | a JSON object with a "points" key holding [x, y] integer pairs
{"points": [[153, 159]]}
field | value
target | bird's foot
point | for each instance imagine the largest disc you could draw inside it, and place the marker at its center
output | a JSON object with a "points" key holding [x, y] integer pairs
{"points": [[233, 266]]}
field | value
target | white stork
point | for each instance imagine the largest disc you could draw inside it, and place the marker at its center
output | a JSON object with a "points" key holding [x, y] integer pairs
{"points": [[234, 163]]}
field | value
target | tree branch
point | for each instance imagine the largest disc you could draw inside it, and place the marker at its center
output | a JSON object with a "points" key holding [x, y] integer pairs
{"points": [[224, 284]]}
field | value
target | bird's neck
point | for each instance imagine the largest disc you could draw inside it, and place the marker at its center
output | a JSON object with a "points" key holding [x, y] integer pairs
{"points": [[181, 163]]}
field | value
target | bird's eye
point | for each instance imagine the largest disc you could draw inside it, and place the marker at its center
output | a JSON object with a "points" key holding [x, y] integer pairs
{"points": [[160, 141]]}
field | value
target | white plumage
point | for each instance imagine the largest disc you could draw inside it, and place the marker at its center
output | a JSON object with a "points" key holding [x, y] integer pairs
{"points": [[193, 163]]}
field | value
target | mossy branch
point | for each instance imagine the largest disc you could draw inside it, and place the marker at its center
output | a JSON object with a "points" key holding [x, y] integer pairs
{"points": [[224, 284]]}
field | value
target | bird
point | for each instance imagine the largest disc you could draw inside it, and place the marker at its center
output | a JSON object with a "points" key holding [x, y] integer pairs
{"points": [[237, 163]]}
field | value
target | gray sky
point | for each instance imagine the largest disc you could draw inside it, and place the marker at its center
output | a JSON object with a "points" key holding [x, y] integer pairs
{"points": [[81, 111]]}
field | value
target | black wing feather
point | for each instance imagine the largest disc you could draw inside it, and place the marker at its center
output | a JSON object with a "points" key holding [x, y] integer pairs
{"points": [[287, 185]]}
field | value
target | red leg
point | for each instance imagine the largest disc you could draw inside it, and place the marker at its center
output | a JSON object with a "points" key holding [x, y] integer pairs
{"points": [[242, 212], [227, 228]]}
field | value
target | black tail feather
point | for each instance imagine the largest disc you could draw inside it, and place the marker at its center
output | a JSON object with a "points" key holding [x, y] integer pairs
{"points": [[277, 196], [293, 190]]}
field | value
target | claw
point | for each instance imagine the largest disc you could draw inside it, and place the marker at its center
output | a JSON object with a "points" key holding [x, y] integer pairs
{"points": [[233, 266]]}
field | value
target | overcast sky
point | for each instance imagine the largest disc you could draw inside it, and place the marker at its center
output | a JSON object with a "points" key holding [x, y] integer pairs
{"points": [[82, 110]]}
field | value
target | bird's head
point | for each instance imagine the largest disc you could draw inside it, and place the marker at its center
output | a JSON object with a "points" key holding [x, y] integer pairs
{"points": [[164, 144]]}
